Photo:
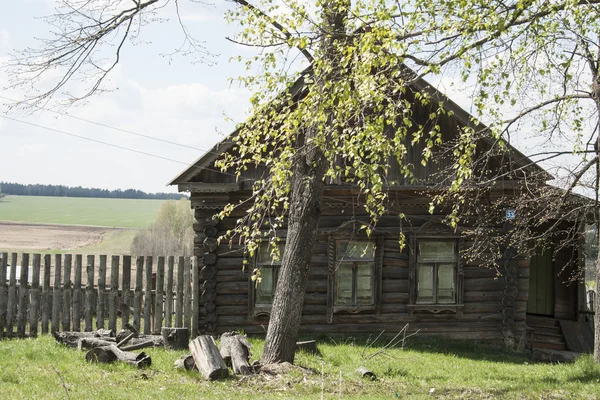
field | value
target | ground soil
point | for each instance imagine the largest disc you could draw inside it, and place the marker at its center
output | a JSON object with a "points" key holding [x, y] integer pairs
{"points": [[20, 236]]}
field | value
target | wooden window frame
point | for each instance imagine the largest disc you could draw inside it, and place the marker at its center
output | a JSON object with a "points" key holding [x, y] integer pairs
{"points": [[414, 262], [261, 309], [332, 277]]}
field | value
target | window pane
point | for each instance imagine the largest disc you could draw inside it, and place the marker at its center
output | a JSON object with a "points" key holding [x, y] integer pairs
{"points": [[364, 283], [445, 292], [265, 291], [344, 284], [437, 251], [265, 251], [425, 284], [355, 251]]}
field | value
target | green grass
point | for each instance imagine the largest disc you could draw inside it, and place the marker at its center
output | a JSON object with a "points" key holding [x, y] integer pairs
{"points": [[125, 213], [427, 369]]}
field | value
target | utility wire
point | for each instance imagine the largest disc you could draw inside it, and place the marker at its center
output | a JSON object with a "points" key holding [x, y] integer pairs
{"points": [[113, 127]]}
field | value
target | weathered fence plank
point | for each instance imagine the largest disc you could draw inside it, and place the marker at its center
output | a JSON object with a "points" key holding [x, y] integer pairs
{"points": [[3, 293], [101, 292], [187, 295], [56, 291], [126, 292], [89, 294], [138, 292], [169, 292], [12, 296], [34, 310], [114, 293], [67, 291], [77, 293], [159, 295], [148, 297], [179, 293], [195, 296], [23, 295], [46, 296]]}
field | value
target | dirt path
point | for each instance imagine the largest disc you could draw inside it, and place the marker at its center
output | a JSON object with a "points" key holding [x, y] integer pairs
{"points": [[20, 236]]}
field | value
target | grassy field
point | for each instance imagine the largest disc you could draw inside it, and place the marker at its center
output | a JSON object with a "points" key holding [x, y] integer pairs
{"points": [[124, 213], [35, 368]]}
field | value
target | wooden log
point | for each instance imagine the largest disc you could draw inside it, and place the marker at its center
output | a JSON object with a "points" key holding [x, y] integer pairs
{"points": [[210, 244], [209, 258], [309, 347], [89, 294], [46, 294], [175, 338], [207, 358], [195, 296], [87, 343], [148, 297], [169, 292], [159, 295], [179, 293], [186, 362], [114, 293], [66, 303], [235, 350], [72, 339], [23, 295], [77, 294], [34, 309], [366, 373], [3, 292], [187, 294], [126, 298], [12, 296], [138, 292], [101, 292], [108, 354]]}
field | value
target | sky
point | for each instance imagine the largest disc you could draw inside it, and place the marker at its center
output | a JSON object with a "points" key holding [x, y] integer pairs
{"points": [[173, 100]]}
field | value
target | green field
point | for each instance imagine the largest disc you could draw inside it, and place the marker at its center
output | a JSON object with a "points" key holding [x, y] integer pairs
{"points": [[41, 369], [125, 213]]}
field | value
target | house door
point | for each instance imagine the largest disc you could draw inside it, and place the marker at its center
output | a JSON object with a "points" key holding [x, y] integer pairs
{"points": [[541, 284]]}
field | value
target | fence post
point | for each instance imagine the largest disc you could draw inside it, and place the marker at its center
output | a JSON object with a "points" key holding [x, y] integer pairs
{"points": [[179, 293], [137, 301], [101, 292], [148, 297], [159, 295], [169, 292], [56, 293], [3, 293], [12, 296], [34, 310], [46, 295], [23, 296], [187, 295], [125, 294], [114, 293], [195, 297], [77, 293], [66, 315], [89, 294]]}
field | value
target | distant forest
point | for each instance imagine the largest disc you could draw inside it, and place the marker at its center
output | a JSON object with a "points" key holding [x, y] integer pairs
{"points": [[18, 189]]}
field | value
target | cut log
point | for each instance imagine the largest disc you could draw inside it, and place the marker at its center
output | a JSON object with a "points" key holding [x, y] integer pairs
{"points": [[207, 358], [176, 338], [91, 342], [235, 350], [71, 339], [108, 354], [366, 373], [186, 362], [309, 347]]}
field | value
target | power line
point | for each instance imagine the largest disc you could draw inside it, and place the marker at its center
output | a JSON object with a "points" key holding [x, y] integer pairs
{"points": [[113, 127]]}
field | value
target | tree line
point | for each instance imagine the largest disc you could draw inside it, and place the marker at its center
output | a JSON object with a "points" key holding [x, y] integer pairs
{"points": [[19, 189]]}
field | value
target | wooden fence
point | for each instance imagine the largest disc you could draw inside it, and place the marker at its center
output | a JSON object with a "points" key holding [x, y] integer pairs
{"points": [[48, 293]]}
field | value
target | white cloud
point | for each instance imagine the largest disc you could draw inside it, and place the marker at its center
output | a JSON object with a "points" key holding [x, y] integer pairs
{"points": [[4, 37]]}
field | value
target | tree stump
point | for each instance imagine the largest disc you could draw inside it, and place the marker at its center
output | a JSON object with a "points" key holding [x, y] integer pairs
{"points": [[108, 354], [186, 362], [176, 338], [235, 350], [207, 358], [309, 347]]}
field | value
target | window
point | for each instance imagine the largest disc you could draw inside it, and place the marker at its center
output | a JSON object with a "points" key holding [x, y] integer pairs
{"points": [[436, 269], [269, 273], [436, 276], [355, 274]]}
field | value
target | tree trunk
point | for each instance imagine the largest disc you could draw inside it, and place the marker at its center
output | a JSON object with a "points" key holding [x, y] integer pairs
{"points": [[304, 213]]}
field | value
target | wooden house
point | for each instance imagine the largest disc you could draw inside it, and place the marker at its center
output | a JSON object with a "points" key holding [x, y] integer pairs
{"points": [[360, 284]]}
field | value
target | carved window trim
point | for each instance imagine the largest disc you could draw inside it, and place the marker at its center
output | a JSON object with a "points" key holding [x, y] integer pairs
{"points": [[435, 308]]}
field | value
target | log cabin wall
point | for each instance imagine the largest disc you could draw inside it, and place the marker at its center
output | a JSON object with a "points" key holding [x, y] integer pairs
{"points": [[482, 315]]}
